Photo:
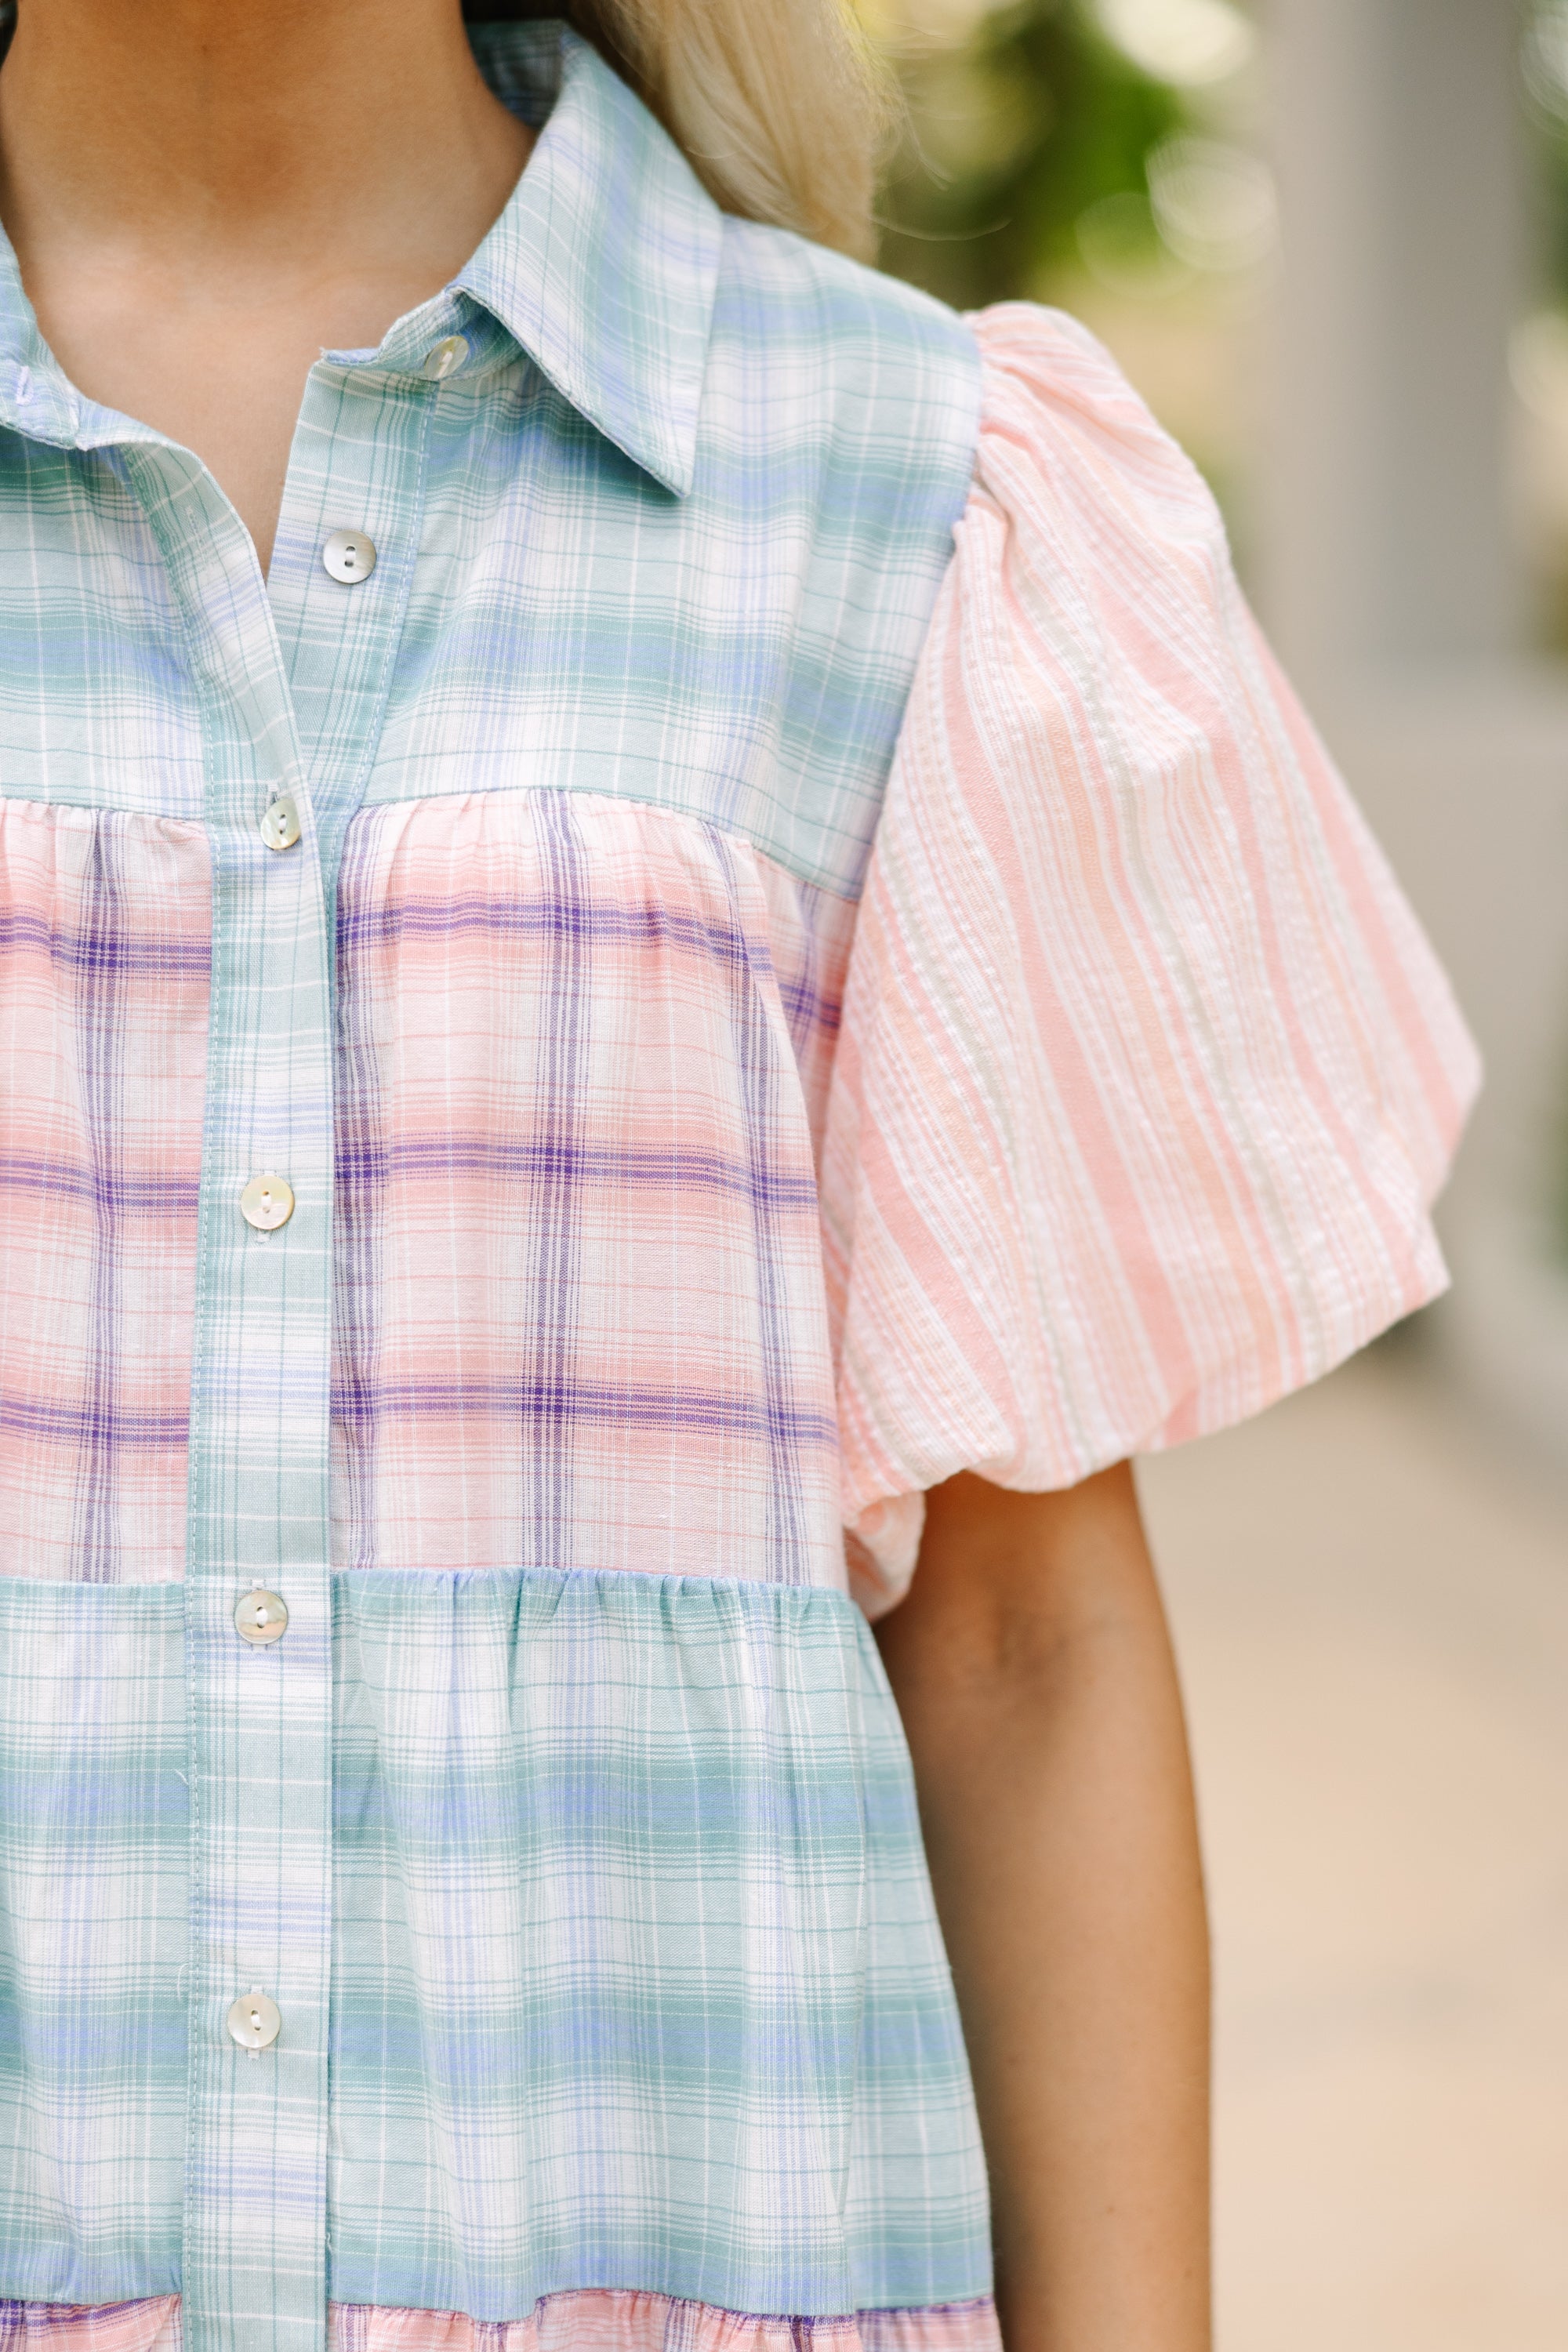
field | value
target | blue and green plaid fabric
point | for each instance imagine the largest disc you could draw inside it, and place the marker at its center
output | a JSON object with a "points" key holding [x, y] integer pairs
{"points": [[592, 1901]]}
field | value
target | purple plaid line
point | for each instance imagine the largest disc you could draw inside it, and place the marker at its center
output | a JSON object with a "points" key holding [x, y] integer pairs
{"points": [[116, 1428], [102, 1001], [125, 1194], [561, 1058], [102, 948], [807, 1007], [550, 917], [356, 1292], [561, 1401], [554, 1159]]}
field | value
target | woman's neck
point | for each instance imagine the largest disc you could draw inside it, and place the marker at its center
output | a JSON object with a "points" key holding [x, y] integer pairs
{"points": [[187, 134], [203, 195]]}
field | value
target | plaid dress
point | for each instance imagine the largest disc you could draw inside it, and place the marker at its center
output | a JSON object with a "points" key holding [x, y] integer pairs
{"points": [[783, 941]]}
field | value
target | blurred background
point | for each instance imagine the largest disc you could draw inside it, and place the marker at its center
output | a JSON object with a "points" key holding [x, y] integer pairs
{"points": [[1328, 240]]}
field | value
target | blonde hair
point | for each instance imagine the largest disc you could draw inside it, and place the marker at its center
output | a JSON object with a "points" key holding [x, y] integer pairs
{"points": [[777, 105]]}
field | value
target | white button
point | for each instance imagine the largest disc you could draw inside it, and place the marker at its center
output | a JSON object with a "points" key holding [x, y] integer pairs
{"points": [[254, 2021], [444, 358], [267, 1202], [260, 1617], [280, 825], [349, 556]]}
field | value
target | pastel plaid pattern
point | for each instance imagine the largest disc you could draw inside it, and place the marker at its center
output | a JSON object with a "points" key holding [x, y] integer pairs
{"points": [[105, 925], [743, 652], [570, 1822], [94, 1832], [618, 702], [580, 1311], [635, 1970], [593, 2320]]}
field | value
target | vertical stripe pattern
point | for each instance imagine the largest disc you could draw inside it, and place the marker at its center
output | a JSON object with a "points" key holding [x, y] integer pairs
{"points": [[1147, 1075]]}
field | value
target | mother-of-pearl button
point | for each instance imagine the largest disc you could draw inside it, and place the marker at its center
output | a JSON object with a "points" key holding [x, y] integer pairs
{"points": [[444, 358], [260, 1617], [280, 824], [254, 2021], [267, 1202], [349, 556]]}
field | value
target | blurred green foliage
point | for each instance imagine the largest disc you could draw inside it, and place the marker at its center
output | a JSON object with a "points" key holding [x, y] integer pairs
{"points": [[1544, 68], [1014, 134]]}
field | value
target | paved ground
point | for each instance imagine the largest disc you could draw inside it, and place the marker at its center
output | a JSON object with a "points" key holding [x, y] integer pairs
{"points": [[1371, 1604]]}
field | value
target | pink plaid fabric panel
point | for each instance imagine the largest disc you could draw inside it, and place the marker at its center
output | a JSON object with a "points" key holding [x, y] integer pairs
{"points": [[104, 927], [581, 1320], [613, 2320], [594, 2320]]}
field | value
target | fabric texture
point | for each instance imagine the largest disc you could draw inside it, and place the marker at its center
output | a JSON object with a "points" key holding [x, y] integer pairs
{"points": [[662, 1206], [577, 1226], [588, 2322], [610, 719], [104, 957], [1147, 1075], [634, 1966]]}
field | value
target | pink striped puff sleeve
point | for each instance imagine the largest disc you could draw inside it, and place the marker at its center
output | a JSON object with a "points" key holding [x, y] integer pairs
{"points": [[1147, 1075]]}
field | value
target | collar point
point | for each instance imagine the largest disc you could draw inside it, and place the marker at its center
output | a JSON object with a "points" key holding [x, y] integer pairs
{"points": [[673, 474]]}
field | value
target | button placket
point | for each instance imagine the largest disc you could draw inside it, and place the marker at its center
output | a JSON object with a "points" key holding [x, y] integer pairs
{"points": [[364, 431], [292, 677], [258, 1741]]}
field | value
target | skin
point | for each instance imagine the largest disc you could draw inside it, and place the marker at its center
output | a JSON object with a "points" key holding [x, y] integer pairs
{"points": [[1033, 1670], [205, 195], [202, 195]]}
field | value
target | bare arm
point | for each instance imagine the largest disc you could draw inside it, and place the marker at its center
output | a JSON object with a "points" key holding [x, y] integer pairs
{"points": [[1033, 1673]]}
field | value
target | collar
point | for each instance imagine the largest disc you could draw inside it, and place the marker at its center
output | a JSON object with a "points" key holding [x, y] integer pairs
{"points": [[603, 267], [604, 263]]}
